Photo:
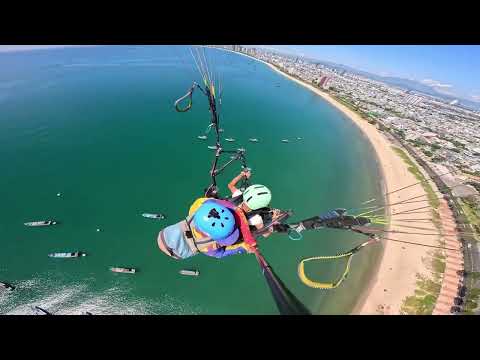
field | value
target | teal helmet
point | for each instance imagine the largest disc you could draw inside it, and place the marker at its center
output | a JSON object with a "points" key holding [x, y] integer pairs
{"points": [[257, 196]]}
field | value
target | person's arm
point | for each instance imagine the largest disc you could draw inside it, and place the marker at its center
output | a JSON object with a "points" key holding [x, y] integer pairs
{"points": [[236, 179], [259, 225], [257, 221]]}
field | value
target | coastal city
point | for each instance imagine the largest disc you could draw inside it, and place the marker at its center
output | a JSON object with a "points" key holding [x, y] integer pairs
{"points": [[364, 171], [445, 135], [442, 136]]}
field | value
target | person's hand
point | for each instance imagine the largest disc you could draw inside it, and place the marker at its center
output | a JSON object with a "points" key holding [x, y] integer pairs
{"points": [[247, 174], [276, 214]]}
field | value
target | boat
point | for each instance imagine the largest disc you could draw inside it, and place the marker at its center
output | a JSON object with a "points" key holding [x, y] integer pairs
{"points": [[299, 138], [230, 139], [220, 130], [241, 150], [190, 272], [153, 216], [285, 141], [39, 311], [87, 313], [41, 223], [6, 287], [202, 137], [212, 147], [67, 255], [123, 270], [253, 140]]}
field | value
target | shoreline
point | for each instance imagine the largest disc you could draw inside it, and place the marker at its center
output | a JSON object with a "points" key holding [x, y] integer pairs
{"points": [[395, 273]]}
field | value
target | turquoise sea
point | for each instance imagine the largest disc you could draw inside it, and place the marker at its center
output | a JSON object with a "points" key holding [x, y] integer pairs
{"points": [[97, 124]]}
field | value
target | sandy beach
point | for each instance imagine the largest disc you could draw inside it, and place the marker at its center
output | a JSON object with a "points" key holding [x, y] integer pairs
{"points": [[395, 278]]}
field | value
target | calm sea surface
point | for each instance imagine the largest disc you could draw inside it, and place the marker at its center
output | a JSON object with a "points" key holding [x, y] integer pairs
{"points": [[97, 125]]}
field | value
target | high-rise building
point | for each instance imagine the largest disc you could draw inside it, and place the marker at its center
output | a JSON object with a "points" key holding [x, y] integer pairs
{"points": [[323, 81], [412, 100]]}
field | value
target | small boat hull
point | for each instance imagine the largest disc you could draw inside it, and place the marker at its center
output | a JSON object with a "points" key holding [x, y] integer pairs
{"points": [[67, 255], [123, 270], [190, 272], [154, 216], [40, 223]]}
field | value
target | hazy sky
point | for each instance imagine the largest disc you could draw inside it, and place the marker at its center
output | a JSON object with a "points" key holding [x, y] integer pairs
{"points": [[10, 48], [451, 69]]}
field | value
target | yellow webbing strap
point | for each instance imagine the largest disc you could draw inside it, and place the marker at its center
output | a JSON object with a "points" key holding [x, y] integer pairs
{"points": [[324, 285], [333, 285]]}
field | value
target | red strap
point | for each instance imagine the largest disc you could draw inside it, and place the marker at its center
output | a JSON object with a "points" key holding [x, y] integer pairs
{"points": [[241, 221], [244, 228]]}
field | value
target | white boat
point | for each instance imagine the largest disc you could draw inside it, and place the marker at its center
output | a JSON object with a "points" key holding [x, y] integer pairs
{"points": [[202, 137], [212, 147], [190, 272], [230, 139], [285, 141], [41, 223], [6, 287], [153, 216], [123, 270], [220, 130], [253, 140], [299, 138], [67, 255]]}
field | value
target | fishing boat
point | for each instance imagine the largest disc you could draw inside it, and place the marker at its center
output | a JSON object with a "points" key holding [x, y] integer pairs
{"points": [[123, 270], [6, 287], [202, 137], [285, 141], [253, 140], [212, 147], [41, 223], [230, 139], [299, 138], [153, 216], [190, 272], [67, 255]]}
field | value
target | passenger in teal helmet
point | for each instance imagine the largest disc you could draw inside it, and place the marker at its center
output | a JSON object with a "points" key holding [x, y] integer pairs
{"points": [[215, 220], [254, 202]]}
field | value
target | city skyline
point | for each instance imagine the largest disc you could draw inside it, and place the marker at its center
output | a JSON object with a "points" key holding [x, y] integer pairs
{"points": [[448, 69]]}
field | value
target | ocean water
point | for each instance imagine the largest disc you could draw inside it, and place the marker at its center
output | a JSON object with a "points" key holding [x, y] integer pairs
{"points": [[97, 124]]}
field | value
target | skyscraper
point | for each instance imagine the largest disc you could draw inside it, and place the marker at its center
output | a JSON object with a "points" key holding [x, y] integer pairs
{"points": [[323, 81]]}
